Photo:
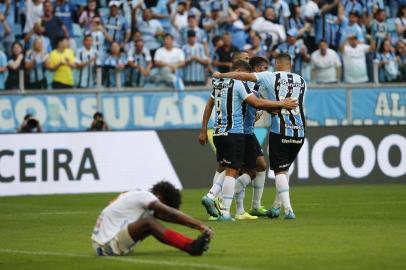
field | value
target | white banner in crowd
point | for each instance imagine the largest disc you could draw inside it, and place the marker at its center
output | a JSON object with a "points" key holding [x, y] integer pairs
{"points": [[82, 162]]}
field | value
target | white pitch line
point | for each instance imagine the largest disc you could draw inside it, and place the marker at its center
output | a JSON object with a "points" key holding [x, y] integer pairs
{"points": [[351, 203], [123, 259], [47, 213]]}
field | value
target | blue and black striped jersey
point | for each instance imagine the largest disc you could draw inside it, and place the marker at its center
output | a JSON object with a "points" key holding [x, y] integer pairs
{"points": [[281, 85], [229, 96]]}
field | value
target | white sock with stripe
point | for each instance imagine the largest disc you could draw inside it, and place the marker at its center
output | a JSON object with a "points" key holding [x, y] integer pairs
{"points": [[239, 190], [282, 187], [228, 194], [258, 186], [218, 181]]}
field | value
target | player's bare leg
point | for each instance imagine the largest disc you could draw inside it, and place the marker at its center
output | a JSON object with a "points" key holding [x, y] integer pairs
{"points": [[143, 228]]}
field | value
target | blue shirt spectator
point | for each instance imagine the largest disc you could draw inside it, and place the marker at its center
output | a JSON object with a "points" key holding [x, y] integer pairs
{"points": [[352, 6], [64, 10], [379, 29], [327, 28], [86, 58], [35, 65], [281, 9], [350, 26], [115, 62], [139, 62], [116, 25], [150, 30], [196, 59], [3, 69]]}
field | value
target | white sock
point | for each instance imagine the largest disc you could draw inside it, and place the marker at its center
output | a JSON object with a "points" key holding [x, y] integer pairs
{"points": [[258, 186], [228, 194], [282, 187], [217, 185], [239, 190]]}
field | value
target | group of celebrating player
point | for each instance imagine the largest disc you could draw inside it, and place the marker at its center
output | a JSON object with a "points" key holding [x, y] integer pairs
{"points": [[134, 215], [237, 96]]}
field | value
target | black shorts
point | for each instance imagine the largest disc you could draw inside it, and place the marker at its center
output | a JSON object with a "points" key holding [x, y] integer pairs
{"points": [[283, 151], [230, 149], [252, 151]]}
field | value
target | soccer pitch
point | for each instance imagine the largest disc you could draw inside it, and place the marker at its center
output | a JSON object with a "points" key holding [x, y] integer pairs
{"points": [[337, 227]]}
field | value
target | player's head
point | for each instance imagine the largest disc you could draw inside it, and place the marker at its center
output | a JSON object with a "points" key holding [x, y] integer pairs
{"points": [[283, 62], [167, 194], [241, 66], [259, 64], [240, 55]]}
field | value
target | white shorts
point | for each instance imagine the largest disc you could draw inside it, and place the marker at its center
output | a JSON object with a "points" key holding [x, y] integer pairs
{"points": [[113, 247]]}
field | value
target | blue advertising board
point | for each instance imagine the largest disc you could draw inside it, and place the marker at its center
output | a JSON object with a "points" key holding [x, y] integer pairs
{"points": [[184, 110]]}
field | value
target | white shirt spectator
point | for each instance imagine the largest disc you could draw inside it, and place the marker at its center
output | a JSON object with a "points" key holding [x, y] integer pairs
{"points": [[34, 14], [355, 68], [310, 10], [173, 56], [265, 27], [325, 66]]}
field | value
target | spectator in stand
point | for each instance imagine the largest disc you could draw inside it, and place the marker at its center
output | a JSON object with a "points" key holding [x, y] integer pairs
{"points": [[326, 65], [151, 30], [115, 64], [86, 58], [62, 62], [281, 9], [5, 29], [139, 63], [310, 12], [3, 69], [35, 60], [15, 64], [239, 26], [271, 32], [379, 29], [401, 58], [327, 25], [37, 33], [99, 35], [117, 26], [34, 12], [88, 14], [54, 27], [296, 49], [169, 60], [222, 60], [215, 24], [179, 17], [352, 6], [161, 13], [64, 10], [196, 61], [350, 27], [354, 58], [297, 22], [388, 65], [192, 24], [256, 48], [401, 23]]}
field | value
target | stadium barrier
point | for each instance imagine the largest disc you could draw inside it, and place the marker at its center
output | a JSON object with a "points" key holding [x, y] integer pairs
{"points": [[87, 162], [163, 110]]}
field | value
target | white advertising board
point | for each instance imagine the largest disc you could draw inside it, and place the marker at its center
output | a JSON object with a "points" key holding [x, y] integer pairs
{"points": [[84, 162]]}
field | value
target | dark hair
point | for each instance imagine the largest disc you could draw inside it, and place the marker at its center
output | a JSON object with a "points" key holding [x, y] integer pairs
{"points": [[168, 35], [19, 44], [59, 39], [237, 55], [215, 39], [240, 64], [323, 40], [87, 35], [27, 116], [257, 61], [400, 12], [97, 114], [167, 193], [283, 57], [380, 10]]}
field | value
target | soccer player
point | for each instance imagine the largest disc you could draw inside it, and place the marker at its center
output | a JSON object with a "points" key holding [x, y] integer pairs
{"points": [[134, 215], [228, 96], [254, 161], [287, 127]]}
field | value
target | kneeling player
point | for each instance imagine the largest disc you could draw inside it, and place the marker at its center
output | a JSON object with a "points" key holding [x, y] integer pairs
{"points": [[134, 215]]}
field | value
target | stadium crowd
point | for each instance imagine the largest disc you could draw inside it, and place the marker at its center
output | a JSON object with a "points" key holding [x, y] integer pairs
{"points": [[142, 43]]}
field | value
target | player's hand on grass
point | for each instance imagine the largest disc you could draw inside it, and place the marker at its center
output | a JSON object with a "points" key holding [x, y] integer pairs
{"points": [[290, 103], [216, 74], [208, 230], [203, 138]]}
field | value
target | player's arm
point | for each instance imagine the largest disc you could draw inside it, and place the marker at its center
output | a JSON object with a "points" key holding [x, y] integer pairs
{"points": [[242, 76], [265, 104], [173, 215], [206, 117]]}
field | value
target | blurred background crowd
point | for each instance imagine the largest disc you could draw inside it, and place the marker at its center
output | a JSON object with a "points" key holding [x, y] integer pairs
{"points": [[61, 44]]}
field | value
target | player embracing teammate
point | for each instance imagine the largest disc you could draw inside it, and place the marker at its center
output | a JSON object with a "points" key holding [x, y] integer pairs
{"points": [[228, 97], [286, 134]]}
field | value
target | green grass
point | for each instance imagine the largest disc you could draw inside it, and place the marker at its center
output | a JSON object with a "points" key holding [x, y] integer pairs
{"points": [[338, 227]]}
